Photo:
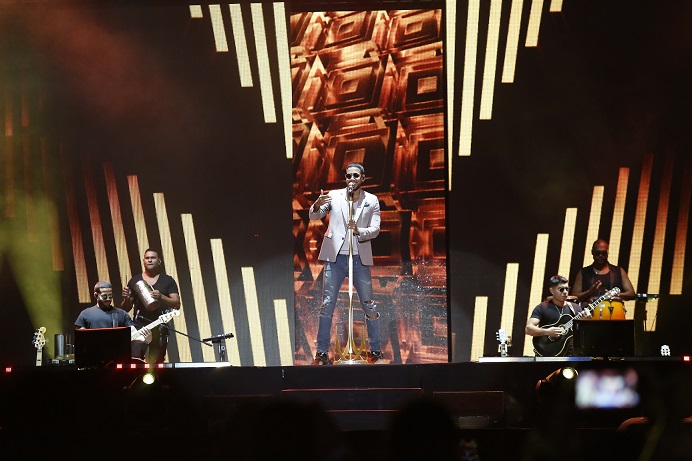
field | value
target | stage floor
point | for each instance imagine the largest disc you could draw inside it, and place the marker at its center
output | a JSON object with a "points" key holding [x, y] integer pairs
{"points": [[487, 397]]}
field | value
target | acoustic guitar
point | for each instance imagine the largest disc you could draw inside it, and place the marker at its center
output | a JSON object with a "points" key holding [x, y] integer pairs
{"points": [[547, 346]]}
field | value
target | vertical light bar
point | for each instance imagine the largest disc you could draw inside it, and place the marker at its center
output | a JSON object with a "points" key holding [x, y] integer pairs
{"points": [[241, 52], [265, 75], [678, 269], [534, 23], [118, 228], [468, 90], [24, 92], [10, 197], [640, 222], [171, 269], [138, 214], [488, 90], [556, 6], [594, 222], [253, 317], [198, 296], [618, 216], [509, 297], [567, 242], [224, 294], [81, 276], [480, 315], [659, 241], [450, 43], [96, 228], [537, 282], [284, 75], [29, 202], [53, 220], [283, 332], [218, 29], [512, 41], [9, 122], [196, 12]]}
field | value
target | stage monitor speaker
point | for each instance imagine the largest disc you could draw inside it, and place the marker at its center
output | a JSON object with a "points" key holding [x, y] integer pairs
{"points": [[604, 338]]}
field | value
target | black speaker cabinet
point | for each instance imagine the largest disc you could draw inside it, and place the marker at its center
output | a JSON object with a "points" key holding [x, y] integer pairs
{"points": [[604, 338]]}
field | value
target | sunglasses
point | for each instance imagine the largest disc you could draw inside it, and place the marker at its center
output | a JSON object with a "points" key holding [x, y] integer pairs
{"points": [[563, 289], [104, 297], [600, 253], [352, 175]]}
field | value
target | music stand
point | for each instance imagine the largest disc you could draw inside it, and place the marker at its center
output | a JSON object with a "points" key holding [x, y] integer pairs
{"points": [[99, 347]]}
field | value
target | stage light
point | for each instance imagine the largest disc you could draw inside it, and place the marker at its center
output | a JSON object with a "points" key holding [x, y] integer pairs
{"points": [[685, 358], [8, 369], [569, 373], [148, 378]]}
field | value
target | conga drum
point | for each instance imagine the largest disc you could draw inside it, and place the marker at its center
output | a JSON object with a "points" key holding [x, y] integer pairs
{"points": [[617, 308]]}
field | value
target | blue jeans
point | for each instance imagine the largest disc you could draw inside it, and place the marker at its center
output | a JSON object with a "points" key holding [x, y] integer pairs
{"points": [[334, 275]]}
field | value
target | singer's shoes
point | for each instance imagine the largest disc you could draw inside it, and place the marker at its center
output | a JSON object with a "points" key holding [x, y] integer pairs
{"points": [[376, 357], [322, 358]]}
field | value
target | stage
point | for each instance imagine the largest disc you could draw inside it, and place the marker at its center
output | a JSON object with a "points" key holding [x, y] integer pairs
{"points": [[59, 406]]}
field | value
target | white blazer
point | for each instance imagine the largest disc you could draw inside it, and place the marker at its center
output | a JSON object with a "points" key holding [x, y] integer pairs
{"points": [[366, 214]]}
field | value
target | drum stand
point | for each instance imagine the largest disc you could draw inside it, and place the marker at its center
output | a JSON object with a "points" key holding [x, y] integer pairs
{"points": [[352, 355]]}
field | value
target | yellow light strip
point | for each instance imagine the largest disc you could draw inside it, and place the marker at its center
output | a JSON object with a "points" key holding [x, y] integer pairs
{"points": [[567, 247], [81, 277], [224, 293], [556, 6], [172, 270], [196, 11], [534, 23], [480, 316], [29, 202], [512, 41], [265, 74], [509, 297], [656, 267], [488, 91], [96, 228], [9, 122], [242, 54], [537, 282], [53, 220], [24, 92], [118, 229], [594, 222], [199, 299], [678, 269], [284, 332], [218, 29], [284, 75], [253, 317], [450, 43], [468, 90], [618, 216], [640, 223], [10, 197], [138, 214]]}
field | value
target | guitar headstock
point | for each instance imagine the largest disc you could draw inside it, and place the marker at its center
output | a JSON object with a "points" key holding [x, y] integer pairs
{"points": [[164, 318], [501, 336], [39, 338]]}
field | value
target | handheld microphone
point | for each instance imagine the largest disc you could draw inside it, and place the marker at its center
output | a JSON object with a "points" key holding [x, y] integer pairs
{"points": [[350, 190], [219, 337]]}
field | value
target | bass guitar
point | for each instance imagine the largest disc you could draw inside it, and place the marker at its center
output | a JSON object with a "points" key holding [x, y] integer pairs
{"points": [[547, 346], [39, 342], [136, 334]]}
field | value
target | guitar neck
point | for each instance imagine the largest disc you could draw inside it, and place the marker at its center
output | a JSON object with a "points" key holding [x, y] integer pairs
{"points": [[39, 356], [150, 326]]}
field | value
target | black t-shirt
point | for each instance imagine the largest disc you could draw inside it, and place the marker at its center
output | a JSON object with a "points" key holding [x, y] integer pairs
{"points": [[95, 317], [548, 313], [165, 284]]}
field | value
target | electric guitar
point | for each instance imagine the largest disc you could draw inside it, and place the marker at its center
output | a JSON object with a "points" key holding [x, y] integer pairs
{"points": [[39, 342], [547, 346], [502, 338], [163, 318]]}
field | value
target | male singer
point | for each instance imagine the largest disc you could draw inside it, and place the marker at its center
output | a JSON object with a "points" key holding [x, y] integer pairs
{"points": [[365, 224]]}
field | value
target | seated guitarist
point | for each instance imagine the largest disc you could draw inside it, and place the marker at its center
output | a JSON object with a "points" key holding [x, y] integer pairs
{"points": [[548, 317], [105, 315]]}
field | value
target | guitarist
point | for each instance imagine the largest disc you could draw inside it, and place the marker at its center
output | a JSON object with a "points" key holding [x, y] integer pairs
{"points": [[105, 315], [549, 312]]}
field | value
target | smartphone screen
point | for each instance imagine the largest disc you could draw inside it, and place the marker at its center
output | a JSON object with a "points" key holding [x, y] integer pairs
{"points": [[607, 388]]}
